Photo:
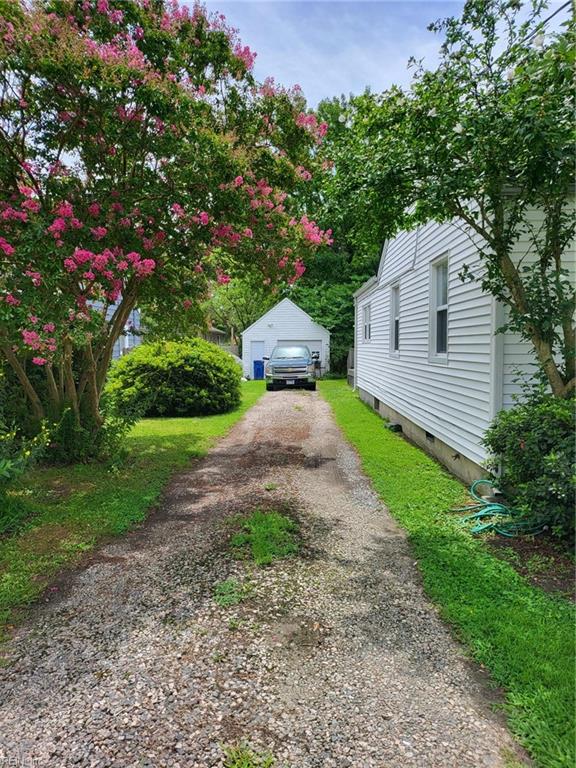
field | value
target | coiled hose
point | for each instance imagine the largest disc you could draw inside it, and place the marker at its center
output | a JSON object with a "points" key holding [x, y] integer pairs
{"points": [[491, 516]]}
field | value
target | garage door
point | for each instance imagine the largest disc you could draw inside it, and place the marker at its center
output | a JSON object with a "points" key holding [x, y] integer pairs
{"points": [[314, 345]]}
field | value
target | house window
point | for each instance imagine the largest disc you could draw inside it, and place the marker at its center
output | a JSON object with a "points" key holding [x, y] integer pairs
{"points": [[439, 309], [367, 323], [395, 319]]}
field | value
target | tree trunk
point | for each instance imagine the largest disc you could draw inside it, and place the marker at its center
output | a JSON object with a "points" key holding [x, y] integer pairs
{"points": [[37, 408]]}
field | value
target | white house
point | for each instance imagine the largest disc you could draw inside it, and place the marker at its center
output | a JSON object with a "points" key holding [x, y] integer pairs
{"points": [[426, 354], [285, 323]]}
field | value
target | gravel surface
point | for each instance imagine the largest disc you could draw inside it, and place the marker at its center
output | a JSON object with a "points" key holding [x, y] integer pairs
{"points": [[335, 659]]}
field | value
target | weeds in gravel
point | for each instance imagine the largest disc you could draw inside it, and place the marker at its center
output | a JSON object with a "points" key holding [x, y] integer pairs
{"points": [[72, 508], [231, 592], [265, 536], [524, 636], [242, 756], [270, 486]]}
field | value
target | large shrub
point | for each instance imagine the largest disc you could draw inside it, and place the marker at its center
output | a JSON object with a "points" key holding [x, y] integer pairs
{"points": [[175, 378], [535, 444]]}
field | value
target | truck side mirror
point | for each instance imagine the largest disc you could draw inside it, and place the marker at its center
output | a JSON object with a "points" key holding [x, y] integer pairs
{"points": [[265, 357], [315, 355]]}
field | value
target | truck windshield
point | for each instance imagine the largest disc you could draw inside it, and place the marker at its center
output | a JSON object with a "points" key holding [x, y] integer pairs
{"points": [[285, 353]]}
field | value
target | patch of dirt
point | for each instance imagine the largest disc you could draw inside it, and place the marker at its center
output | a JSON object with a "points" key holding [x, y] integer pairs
{"points": [[541, 560], [45, 539]]}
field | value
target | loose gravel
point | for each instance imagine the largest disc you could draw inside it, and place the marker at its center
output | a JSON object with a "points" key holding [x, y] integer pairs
{"points": [[336, 657]]}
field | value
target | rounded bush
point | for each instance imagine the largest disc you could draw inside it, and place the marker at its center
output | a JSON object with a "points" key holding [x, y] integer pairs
{"points": [[175, 378], [535, 444]]}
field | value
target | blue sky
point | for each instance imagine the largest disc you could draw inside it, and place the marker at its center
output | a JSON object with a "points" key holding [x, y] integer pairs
{"points": [[330, 47]]}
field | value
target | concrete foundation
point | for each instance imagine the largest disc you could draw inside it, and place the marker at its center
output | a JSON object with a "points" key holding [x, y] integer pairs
{"points": [[460, 466]]}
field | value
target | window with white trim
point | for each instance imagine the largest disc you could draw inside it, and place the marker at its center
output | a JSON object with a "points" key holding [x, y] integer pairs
{"points": [[439, 310], [367, 324], [395, 319]]}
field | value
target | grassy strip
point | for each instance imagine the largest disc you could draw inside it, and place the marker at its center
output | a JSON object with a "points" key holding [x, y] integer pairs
{"points": [[522, 635], [265, 536], [77, 506]]}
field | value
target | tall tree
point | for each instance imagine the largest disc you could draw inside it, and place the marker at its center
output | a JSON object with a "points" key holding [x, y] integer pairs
{"points": [[139, 159], [488, 139]]}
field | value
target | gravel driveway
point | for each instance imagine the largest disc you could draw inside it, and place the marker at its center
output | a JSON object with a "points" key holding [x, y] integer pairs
{"points": [[336, 659]]}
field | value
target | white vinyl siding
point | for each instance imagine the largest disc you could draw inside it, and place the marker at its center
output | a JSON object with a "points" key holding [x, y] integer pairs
{"points": [[285, 321], [450, 401], [457, 400]]}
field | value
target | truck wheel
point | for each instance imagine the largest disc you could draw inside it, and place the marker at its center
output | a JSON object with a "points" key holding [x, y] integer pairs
{"points": [[270, 387], [312, 387]]}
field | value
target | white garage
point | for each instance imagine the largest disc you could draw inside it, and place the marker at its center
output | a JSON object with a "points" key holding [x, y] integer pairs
{"points": [[286, 324]]}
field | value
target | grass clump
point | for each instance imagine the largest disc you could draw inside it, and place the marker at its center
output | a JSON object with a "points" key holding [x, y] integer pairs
{"points": [[230, 592], [69, 509], [265, 536], [524, 636], [242, 756]]}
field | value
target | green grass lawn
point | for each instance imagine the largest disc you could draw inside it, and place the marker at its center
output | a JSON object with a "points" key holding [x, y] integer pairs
{"points": [[524, 636], [75, 507]]}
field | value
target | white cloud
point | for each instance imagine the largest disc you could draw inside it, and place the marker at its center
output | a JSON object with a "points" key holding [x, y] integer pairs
{"points": [[334, 47]]}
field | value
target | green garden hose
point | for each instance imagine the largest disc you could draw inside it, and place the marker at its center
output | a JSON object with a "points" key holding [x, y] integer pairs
{"points": [[492, 516]]}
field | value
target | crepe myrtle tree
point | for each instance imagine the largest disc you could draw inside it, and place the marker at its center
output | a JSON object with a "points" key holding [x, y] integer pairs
{"points": [[139, 162], [488, 139]]}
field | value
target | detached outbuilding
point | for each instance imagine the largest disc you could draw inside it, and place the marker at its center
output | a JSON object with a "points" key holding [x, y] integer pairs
{"points": [[286, 323]]}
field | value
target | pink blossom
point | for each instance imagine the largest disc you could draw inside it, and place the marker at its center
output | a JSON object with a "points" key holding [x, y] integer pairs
{"points": [[198, 268], [65, 210], [133, 257], [246, 56], [145, 267], [222, 278], [117, 207], [57, 227], [32, 319], [11, 214], [6, 247], [122, 265], [31, 205], [94, 209], [238, 181], [35, 276], [70, 265], [10, 299], [26, 191], [23, 103], [99, 232], [204, 218], [31, 339], [49, 327], [81, 255], [177, 210], [186, 303], [89, 275], [39, 360], [248, 232]]}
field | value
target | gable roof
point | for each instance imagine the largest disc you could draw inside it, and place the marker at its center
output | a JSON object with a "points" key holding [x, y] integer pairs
{"points": [[294, 305]]}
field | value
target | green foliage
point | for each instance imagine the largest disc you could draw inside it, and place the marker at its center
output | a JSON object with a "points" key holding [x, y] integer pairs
{"points": [[486, 139], [238, 304], [332, 305], [522, 635], [230, 592], [175, 378], [535, 444], [242, 756], [17, 455], [265, 537], [70, 509]]}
